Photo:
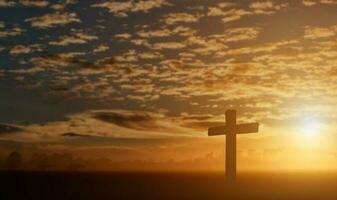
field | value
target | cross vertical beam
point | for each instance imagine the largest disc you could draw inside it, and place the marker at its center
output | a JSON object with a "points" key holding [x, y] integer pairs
{"points": [[230, 146]]}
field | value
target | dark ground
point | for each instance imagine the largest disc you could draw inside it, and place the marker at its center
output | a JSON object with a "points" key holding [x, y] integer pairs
{"points": [[119, 186]]}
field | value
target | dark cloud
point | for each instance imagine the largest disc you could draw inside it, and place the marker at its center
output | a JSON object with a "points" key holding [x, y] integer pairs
{"points": [[88, 140], [71, 134], [138, 121], [150, 122], [197, 117], [202, 125], [4, 129], [98, 66]]}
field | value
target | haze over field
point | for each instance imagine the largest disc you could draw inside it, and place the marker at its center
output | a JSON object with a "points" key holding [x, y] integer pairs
{"points": [[142, 81]]}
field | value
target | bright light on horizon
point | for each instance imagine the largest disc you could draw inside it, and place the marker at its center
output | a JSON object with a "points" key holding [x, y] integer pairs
{"points": [[311, 127]]}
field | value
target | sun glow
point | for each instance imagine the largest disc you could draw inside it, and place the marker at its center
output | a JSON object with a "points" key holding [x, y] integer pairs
{"points": [[311, 127]]}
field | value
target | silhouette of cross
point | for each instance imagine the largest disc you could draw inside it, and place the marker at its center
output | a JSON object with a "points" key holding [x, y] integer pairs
{"points": [[230, 130]]}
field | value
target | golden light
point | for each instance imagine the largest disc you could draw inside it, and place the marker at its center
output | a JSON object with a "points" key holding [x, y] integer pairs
{"points": [[310, 127]]}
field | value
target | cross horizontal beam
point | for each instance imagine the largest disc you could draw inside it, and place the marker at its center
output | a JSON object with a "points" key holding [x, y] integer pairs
{"points": [[238, 129]]}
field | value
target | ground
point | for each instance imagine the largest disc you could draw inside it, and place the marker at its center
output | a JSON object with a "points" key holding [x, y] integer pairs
{"points": [[117, 185]]}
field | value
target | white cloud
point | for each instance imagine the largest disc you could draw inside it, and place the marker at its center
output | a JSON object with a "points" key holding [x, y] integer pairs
{"points": [[154, 33], [229, 15], [255, 8], [62, 5], [174, 18], [34, 3], [77, 37], [21, 49], [168, 45], [319, 32], [123, 36], [309, 2], [121, 9], [150, 55], [315, 2], [266, 7], [332, 2], [239, 34], [53, 19]]}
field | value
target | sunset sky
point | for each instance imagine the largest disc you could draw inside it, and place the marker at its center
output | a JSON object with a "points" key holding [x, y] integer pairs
{"points": [[145, 79]]}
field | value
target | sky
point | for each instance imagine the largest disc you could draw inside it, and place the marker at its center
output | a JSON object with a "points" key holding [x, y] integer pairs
{"points": [[146, 79]]}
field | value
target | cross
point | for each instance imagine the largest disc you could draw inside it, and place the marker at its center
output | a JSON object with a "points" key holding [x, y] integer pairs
{"points": [[230, 130]]}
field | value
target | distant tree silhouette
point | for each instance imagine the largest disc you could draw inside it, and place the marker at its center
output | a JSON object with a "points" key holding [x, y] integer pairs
{"points": [[14, 161]]}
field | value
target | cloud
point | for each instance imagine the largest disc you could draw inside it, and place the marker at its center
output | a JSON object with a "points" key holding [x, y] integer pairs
{"points": [[261, 5], [15, 31], [50, 61], [133, 56], [202, 126], [53, 19], [34, 3], [219, 43], [264, 48], [101, 48], [123, 36], [121, 9], [309, 2], [105, 65], [231, 15], [168, 45], [206, 46], [145, 6], [6, 3], [319, 32], [63, 4], [71, 134], [138, 121], [266, 7], [226, 4], [216, 11], [315, 2], [154, 33], [174, 18], [25, 71], [148, 121], [238, 34], [150, 55], [255, 8], [129, 56], [200, 122], [21, 49], [331, 2], [167, 32], [77, 37], [5, 129], [108, 125], [141, 42]]}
